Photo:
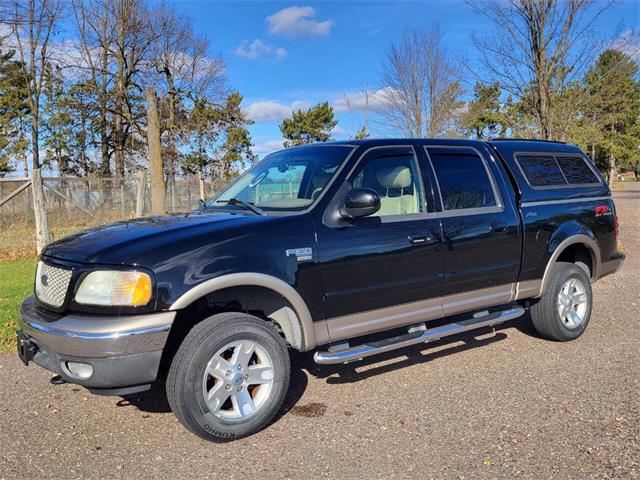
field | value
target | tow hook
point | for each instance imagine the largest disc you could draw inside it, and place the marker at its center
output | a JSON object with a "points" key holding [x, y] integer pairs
{"points": [[57, 380]]}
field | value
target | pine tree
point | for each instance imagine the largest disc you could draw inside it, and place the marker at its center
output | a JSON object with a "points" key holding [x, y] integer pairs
{"points": [[362, 133], [314, 125], [485, 116], [218, 138], [14, 112], [236, 147], [57, 122], [614, 111]]}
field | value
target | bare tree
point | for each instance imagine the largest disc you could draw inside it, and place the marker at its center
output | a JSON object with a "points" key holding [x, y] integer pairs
{"points": [[133, 39], [359, 126], [421, 85], [95, 28], [538, 50], [114, 36], [183, 72], [32, 24]]}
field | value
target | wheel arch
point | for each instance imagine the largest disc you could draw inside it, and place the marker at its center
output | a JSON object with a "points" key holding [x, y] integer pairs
{"points": [[563, 246], [294, 320]]}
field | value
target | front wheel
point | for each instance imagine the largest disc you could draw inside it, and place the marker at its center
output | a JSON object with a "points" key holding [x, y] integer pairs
{"points": [[564, 310], [229, 377]]}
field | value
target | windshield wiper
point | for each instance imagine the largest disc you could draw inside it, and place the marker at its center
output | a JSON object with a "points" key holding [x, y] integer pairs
{"points": [[241, 203]]}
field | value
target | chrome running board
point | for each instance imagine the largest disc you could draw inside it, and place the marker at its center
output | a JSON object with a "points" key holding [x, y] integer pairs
{"points": [[344, 355]]}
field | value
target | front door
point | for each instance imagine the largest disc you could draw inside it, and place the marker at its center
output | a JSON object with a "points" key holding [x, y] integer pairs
{"points": [[384, 270]]}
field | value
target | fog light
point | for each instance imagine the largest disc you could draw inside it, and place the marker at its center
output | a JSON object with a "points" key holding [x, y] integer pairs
{"points": [[78, 370]]}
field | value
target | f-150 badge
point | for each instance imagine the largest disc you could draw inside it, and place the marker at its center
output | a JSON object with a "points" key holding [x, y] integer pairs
{"points": [[301, 254]]}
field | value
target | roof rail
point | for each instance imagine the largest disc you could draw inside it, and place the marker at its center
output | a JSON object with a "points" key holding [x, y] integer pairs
{"points": [[524, 140]]}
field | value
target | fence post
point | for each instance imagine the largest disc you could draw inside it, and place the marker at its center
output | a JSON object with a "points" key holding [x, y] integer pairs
{"points": [[142, 183], [39, 210]]}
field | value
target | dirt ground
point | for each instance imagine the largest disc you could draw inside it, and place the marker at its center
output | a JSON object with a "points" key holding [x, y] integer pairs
{"points": [[503, 405]]}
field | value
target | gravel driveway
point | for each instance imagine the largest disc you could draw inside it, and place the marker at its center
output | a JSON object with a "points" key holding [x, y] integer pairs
{"points": [[501, 405]]}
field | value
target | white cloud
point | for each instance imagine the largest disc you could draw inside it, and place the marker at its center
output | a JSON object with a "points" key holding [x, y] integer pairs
{"points": [[371, 100], [268, 147], [629, 43], [258, 48], [272, 111], [339, 132], [296, 21]]}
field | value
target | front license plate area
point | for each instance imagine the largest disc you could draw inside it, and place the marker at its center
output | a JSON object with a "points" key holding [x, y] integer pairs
{"points": [[26, 348]]}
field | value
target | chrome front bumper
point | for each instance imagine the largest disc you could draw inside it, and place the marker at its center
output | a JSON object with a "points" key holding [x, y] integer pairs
{"points": [[124, 351]]}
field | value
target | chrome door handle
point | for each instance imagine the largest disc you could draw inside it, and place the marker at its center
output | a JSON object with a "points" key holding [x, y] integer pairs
{"points": [[498, 227], [420, 239]]}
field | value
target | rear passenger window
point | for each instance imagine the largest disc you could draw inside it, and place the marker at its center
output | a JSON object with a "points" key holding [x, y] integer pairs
{"points": [[463, 179], [556, 170], [541, 171], [576, 170]]}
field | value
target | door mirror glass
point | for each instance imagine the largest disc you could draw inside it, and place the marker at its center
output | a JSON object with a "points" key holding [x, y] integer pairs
{"points": [[360, 202]]}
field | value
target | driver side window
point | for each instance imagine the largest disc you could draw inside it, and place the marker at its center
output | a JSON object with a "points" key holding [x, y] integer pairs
{"points": [[396, 178]]}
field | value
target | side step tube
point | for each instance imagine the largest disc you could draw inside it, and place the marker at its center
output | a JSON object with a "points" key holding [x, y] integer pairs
{"points": [[361, 351]]}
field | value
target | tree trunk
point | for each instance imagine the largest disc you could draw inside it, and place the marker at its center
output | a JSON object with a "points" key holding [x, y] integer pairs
{"points": [[118, 139], [104, 132], [155, 154], [35, 138], [118, 133], [201, 185], [104, 146], [171, 150], [612, 170]]}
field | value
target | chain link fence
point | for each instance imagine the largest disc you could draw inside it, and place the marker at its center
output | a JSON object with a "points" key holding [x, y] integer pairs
{"points": [[73, 204]]}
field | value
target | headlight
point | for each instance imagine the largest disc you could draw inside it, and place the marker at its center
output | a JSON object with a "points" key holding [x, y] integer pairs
{"points": [[115, 288]]}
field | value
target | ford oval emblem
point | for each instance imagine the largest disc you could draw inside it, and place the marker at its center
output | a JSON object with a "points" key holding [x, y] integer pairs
{"points": [[44, 279]]}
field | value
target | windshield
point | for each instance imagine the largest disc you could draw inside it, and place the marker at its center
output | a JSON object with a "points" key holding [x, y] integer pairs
{"points": [[285, 180]]}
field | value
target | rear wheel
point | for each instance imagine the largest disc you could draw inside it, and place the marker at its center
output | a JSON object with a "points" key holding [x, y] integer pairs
{"points": [[229, 377], [564, 310]]}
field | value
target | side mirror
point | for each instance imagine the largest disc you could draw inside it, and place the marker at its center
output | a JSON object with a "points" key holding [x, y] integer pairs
{"points": [[360, 202]]}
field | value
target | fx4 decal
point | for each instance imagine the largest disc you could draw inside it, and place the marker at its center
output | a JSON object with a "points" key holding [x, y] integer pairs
{"points": [[602, 210]]}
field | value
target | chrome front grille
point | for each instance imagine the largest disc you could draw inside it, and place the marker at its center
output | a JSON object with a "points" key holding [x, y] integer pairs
{"points": [[52, 284]]}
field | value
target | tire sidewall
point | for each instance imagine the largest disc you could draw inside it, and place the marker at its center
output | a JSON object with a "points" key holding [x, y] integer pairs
{"points": [[191, 372], [564, 274]]}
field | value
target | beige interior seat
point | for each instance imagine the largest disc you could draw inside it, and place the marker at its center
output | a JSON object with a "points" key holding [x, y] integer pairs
{"points": [[398, 195], [318, 182]]}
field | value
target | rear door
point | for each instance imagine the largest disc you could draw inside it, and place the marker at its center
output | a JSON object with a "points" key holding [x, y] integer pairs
{"points": [[383, 270], [480, 225]]}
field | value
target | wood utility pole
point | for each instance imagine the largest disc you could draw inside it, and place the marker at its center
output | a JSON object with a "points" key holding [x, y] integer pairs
{"points": [[155, 154]]}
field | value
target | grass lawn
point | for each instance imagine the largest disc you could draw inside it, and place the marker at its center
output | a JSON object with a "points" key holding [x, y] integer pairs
{"points": [[16, 283]]}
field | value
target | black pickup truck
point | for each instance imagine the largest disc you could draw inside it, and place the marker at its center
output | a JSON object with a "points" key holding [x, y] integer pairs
{"points": [[347, 248]]}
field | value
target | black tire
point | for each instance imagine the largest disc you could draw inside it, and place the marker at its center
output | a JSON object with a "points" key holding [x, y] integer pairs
{"points": [[544, 314], [185, 379]]}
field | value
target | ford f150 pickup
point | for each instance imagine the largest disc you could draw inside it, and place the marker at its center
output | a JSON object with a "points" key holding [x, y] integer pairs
{"points": [[347, 248]]}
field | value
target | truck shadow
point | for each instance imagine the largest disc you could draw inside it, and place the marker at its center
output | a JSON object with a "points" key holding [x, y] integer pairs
{"points": [[398, 359], [402, 358], [302, 365]]}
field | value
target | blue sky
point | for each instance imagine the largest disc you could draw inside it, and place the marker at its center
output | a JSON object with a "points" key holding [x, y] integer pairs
{"points": [[283, 55]]}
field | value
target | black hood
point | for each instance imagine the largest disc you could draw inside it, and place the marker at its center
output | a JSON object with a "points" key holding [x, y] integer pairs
{"points": [[136, 242]]}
